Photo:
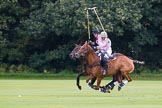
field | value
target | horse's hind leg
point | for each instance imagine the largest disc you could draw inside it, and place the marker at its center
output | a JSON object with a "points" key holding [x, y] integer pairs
{"points": [[126, 75], [114, 82], [128, 79]]}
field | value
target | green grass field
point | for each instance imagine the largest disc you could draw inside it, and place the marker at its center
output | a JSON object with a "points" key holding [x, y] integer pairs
{"points": [[65, 94]]}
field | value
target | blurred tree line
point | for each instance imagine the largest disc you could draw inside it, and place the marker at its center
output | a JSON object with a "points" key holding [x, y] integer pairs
{"points": [[40, 34]]}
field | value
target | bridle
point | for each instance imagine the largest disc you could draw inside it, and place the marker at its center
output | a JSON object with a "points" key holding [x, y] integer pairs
{"points": [[85, 50]]}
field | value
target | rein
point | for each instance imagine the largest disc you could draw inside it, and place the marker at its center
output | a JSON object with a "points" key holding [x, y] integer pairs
{"points": [[96, 63]]}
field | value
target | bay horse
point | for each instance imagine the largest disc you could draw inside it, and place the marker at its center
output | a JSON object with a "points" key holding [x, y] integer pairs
{"points": [[76, 49], [121, 67], [85, 67]]}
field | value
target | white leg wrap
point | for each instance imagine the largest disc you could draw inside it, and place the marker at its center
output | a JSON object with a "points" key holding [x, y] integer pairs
{"points": [[125, 82], [116, 82]]}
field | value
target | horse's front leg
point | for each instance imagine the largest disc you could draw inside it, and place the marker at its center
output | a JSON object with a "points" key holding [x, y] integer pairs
{"points": [[98, 83], [89, 78], [78, 79], [93, 79]]}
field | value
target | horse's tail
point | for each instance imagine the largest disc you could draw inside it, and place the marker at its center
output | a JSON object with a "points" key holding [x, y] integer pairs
{"points": [[138, 62]]}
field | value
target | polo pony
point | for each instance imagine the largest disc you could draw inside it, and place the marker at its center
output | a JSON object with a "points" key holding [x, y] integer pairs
{"points": [[85, 67], [121, 67]]}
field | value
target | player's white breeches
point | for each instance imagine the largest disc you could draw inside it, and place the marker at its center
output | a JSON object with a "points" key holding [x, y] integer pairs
{"points": [[109, 52]]}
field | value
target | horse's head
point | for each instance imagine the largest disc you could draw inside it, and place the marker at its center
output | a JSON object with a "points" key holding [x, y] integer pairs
{"points": [[73, 52], [83, 50]]}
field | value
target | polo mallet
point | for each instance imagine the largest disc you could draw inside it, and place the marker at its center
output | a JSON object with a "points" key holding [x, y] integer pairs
{"points": [[87, 9], [94, 9]]}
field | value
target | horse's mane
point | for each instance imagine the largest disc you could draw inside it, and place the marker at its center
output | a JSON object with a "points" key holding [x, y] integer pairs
{"points": [[92, 50]]}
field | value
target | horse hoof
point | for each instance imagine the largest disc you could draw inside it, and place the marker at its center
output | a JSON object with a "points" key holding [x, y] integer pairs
{"points": [[79, 87], [104, 90], [107, 91], [95, 87], [90, 85], [119, 88]]}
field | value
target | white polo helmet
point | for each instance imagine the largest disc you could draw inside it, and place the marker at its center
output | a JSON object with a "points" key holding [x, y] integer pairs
{"points": [[103, 34]]}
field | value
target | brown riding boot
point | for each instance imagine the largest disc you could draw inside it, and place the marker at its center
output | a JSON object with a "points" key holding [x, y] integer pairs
{"points": [[105, 66], [104, 69]]}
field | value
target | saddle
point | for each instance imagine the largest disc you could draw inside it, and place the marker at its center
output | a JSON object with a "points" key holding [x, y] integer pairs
{"points": [[112, 57]]}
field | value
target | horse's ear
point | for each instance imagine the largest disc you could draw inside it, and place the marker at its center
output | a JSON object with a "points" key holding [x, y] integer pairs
{"points": [[85, 42], [88, 42]]}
